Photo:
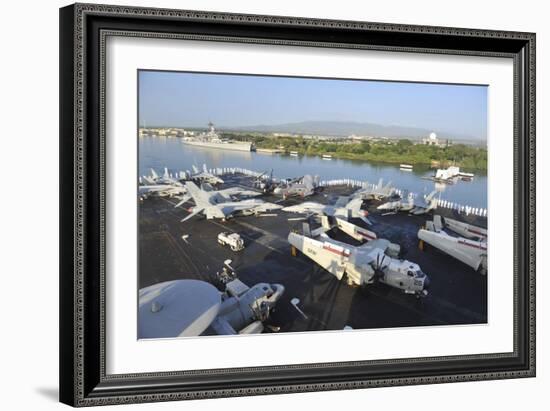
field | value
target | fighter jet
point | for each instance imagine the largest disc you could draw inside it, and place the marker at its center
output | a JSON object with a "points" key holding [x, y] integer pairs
{"points": [[265, 182], [160, 190], [303, 188], [152, 179], [226, 194], [344, 208], [205, 176], [163, 186], [214, 205], [373, 262], [166, 178], [375, 192], [427, 204], [231, 193]]}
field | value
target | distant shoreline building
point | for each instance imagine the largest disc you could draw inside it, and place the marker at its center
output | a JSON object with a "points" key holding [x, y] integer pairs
{"points": [[355, 137], [432, 140]]}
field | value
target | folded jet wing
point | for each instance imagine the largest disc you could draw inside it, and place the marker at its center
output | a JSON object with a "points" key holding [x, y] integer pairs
{"points": [[329, 256], [469, 251], [342, 201]]}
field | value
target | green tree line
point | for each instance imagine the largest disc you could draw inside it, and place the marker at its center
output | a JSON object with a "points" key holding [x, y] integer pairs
{"points": [[401, 151]]}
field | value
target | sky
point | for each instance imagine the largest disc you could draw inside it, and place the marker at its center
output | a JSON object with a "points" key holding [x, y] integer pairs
{"points": [[194, 99]]}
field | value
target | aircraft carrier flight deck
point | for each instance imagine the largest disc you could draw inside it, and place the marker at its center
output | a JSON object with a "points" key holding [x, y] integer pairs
{"points": [[172, 250]]}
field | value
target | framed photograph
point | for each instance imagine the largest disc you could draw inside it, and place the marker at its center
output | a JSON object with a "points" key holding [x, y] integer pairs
{"points": [[262, 204]]}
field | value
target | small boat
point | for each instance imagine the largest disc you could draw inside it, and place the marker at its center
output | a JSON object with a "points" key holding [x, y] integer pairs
{"points": [[327, 157], [466, 176], [405, 167], [294, 153]]}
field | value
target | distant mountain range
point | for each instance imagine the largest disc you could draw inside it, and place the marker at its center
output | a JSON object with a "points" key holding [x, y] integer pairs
{"points": [[345, 128]]}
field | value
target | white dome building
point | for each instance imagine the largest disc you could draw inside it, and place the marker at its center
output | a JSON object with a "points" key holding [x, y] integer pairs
{"points": [[432, 140]]}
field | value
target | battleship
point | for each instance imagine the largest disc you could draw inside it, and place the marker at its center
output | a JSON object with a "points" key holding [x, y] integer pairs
{"points": [[211, 139]]}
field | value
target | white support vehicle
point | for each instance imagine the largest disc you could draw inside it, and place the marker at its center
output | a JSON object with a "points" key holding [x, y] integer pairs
{"points": [[233, 240]]}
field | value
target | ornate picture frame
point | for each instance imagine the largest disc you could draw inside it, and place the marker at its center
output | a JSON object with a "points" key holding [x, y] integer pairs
{"points": [[84, 29]]}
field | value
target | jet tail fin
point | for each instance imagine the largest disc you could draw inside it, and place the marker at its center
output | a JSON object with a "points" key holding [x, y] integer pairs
{"points": [[388, 188], [354, 205], [431, 201], [410, 200], [430, 196], [308, 181]]}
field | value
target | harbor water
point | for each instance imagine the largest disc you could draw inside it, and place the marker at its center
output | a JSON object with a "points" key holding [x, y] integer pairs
{"points": [[158, 153]]}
